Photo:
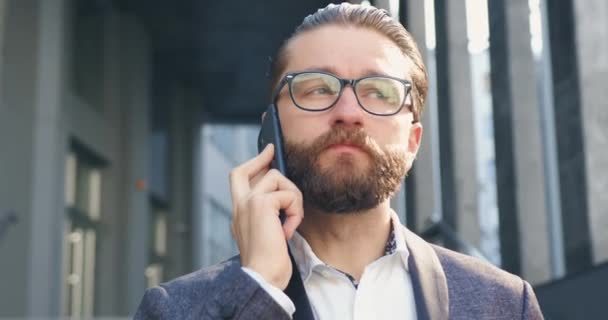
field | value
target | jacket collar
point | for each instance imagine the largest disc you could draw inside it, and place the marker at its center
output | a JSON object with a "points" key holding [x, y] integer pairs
{"points": [[428, 280]]}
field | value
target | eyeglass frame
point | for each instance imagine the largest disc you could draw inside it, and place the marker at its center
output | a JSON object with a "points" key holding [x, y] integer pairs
{"points": [[288, 79]]}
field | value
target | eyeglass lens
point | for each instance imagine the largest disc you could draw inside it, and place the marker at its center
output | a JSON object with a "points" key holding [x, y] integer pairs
{"points": [[317, 91]]}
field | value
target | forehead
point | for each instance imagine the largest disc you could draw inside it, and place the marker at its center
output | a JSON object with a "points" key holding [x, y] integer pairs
{"points": [[348, 51]]}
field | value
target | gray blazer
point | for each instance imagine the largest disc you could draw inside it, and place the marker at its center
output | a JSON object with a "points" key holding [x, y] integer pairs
{"points": [[447, 285]]}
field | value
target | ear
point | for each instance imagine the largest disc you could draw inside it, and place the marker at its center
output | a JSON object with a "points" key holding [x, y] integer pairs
{"points": [[414, 140]]}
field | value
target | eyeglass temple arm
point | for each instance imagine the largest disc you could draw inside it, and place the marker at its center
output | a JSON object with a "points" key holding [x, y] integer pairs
{"points": [[275, 93]]}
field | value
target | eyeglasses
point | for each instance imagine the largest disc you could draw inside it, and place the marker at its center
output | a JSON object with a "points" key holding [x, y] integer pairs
{"points": [[319, 91]]}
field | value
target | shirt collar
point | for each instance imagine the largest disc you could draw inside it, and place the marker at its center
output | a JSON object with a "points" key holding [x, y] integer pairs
{"points": [[307, 260]]}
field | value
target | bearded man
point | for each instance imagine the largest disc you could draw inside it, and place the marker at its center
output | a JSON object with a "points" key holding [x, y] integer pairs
{"points": [[349, 86]]}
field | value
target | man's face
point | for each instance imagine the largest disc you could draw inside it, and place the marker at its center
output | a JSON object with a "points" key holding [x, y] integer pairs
{"points": [[345, 159]]}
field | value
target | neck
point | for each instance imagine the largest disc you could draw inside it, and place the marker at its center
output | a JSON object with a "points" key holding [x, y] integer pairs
{"points": [[348, 241]]}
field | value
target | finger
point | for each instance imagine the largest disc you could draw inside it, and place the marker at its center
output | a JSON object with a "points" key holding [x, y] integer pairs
{"points": [[257, 178], [293, 215], [274, 181], [292, 222], [292, 204], [239, 176], [288, 200]]}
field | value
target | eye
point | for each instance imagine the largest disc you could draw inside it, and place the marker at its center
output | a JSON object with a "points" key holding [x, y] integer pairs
{"points": [[377, 95], [374, 93], [315, 85], [321, 90]]}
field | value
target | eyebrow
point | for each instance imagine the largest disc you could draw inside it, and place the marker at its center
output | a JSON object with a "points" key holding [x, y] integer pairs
{"points": [[332, 70]]}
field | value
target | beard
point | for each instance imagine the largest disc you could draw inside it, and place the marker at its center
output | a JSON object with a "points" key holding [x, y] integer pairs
{"points": [[342, 187]]}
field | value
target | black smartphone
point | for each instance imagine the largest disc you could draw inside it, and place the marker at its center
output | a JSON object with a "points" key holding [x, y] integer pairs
{"points": [[270, 132]]}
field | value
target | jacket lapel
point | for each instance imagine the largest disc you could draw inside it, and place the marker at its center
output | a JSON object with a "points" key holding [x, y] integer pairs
{"points": [[428, 279]]}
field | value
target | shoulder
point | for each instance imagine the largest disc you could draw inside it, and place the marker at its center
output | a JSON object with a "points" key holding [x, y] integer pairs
{"points": [[478, 287], [222, 291], [214, 292], [199, 281], [460, 267]]}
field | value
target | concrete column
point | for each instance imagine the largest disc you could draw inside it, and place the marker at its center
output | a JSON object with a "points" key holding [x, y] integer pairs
{"points": [[200, 159], [183, 125], [591, 34], [50, 146], [423, 182], [462, 124], [571, 148], [529, 169], [456, 128], [110, 140], [136, 102], [20, 33], [110, 285], [2, 30], [516, 106]]}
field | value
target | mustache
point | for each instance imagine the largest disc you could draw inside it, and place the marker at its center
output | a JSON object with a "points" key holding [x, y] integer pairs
{"points": [[356, 137]]}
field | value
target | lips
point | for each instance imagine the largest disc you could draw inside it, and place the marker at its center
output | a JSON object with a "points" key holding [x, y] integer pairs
{"points": [[347, 145]]}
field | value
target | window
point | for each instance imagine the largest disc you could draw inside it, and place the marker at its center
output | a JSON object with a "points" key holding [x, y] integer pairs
{"points": [[158, 242], [82, 200], [223, 137]]}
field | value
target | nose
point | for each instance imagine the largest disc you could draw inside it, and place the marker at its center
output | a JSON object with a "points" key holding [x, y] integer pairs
{"points": [[347, 111]]}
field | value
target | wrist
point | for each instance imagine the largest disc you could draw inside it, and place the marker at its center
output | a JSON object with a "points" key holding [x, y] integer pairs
{"points": [[276, 293], [277, 278]]}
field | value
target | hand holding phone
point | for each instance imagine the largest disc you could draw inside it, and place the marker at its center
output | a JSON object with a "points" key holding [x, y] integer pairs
{"points": [[259, 193], [271, 133]]}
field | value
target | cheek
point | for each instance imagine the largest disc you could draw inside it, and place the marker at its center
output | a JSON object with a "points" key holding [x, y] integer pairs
{"points": [[300, 128], [391, 134]]}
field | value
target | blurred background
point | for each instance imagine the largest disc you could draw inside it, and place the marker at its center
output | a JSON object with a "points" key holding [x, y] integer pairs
{"points": [[121, 119]]}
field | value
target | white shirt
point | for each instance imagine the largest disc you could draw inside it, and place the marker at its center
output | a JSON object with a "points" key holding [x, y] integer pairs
{"points": [[384, 291]]}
